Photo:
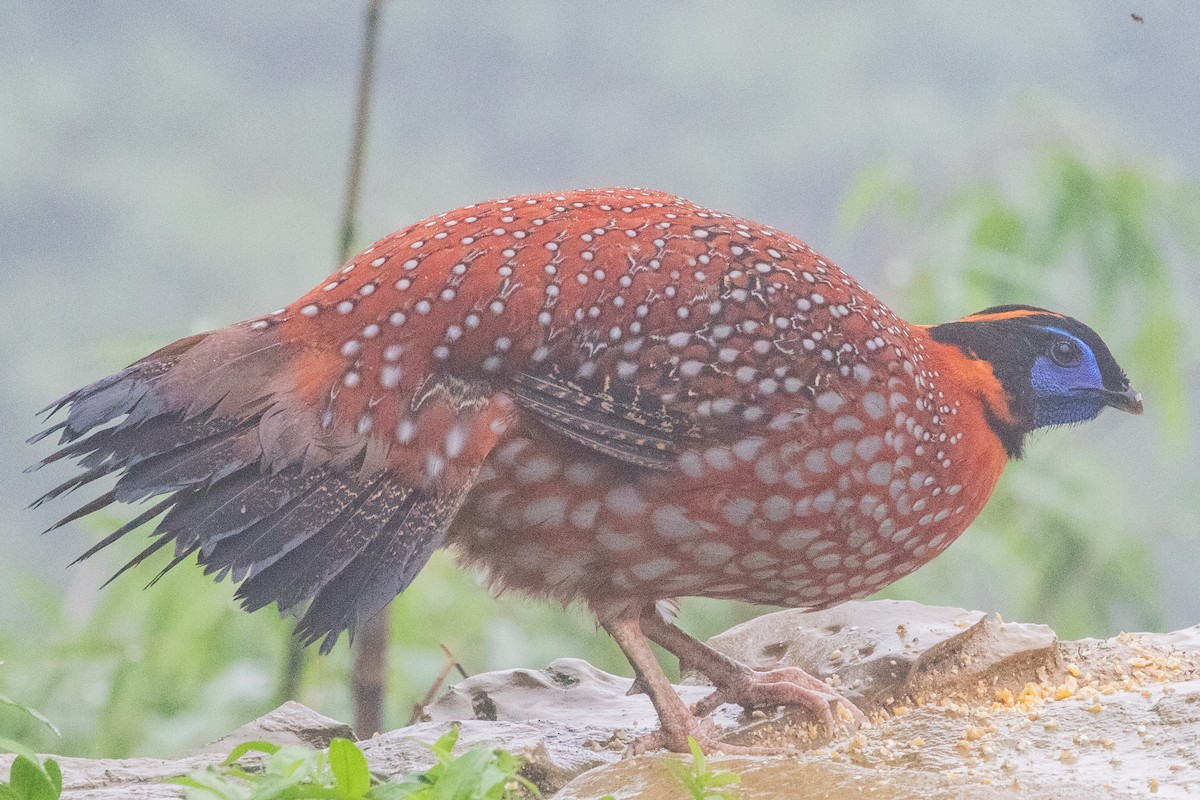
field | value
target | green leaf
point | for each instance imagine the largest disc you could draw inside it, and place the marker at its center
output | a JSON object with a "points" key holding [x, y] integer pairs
{"points": [[410, 789], [5, 701], [55, 772], [31, 781], [257, 746], [350, 771], [342, 773], [723, 778], [698, 780], [208, 783], [697, 752], [444, 746]]}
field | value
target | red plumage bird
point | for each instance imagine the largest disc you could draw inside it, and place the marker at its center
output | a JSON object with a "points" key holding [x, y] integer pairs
{"points": [[610, 396]]}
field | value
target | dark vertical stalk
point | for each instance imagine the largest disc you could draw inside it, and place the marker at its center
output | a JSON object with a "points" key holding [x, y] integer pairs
{"points": [[369, 674], [369, 678], [358, 142], [293, 671]]}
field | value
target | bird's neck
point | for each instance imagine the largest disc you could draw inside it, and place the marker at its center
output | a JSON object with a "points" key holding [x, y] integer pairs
{"points": [[980, 432], [974, 382]]}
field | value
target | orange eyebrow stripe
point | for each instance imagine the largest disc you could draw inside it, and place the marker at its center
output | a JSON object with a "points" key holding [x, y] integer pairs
{"points": [[1021, 312]]}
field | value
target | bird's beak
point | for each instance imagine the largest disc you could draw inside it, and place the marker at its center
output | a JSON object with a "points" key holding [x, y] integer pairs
{"points": [[1128, 400]]}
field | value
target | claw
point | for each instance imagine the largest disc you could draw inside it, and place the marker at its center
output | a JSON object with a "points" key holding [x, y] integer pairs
{"points": [[787, 686]]}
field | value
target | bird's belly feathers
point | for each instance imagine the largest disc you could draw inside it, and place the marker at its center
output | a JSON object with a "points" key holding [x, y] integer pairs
{"points": [[854, 496]]}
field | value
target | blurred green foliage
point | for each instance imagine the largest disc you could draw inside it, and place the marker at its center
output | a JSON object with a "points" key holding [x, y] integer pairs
{"points": [[152, 672]]}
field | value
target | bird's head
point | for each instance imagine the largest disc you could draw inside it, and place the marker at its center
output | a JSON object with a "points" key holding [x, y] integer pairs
{"points": [[1054, 370]]}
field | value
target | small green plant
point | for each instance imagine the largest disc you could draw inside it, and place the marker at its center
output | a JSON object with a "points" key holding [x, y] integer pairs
{"points": [[341, 773], [30, 778], [701, 782], [481, 773]]}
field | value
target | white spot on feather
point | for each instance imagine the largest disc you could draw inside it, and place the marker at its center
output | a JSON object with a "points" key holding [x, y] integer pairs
{"points": [[456, 439]]}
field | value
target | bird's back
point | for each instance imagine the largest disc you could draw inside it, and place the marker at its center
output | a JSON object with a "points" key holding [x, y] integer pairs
{"points": [[599, 394]]}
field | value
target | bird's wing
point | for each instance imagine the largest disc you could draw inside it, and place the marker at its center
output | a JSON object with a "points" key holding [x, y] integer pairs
{"points": [[625, 422]]}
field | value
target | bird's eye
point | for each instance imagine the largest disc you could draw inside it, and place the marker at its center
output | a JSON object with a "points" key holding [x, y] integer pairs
{"points": [[1065, 353]]}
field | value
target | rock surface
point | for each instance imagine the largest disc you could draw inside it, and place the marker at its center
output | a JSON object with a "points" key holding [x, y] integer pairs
{"points": [[963, 706], [880, 652], [292, 724], [1126, 744], [569, 694]]}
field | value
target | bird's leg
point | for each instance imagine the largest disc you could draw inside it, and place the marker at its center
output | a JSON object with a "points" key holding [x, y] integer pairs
{"points": [[676, 721], [737, 683]]}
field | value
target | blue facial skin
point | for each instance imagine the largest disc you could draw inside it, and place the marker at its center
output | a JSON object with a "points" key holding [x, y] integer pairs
{"points": [[1066, 393]]}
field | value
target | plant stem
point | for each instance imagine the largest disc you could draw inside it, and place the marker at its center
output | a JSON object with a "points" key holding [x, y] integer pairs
{"points": [[369, 675], [358, 142]]}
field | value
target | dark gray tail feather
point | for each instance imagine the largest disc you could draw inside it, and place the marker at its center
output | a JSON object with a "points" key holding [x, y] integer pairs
{"points": [[364, 557], [329, 543]]}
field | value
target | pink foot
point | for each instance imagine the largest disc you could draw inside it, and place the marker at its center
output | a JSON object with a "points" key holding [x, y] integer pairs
{"points": [[786, 686]]}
